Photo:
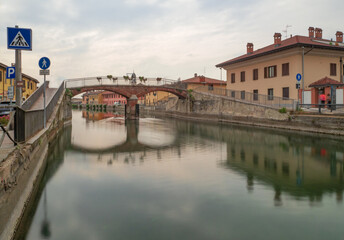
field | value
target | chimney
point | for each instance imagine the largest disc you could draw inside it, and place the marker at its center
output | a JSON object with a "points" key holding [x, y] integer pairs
{"points": [[311, 32], [318, 33], [339, 37], [249, 47], [195, 75], [277, 38]]}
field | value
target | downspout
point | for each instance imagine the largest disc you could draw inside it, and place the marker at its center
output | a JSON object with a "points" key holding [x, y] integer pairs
{"points": [[341, 69]]}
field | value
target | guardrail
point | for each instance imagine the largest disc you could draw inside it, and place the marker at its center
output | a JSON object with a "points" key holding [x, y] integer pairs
{"points": [[320, 107], [266, 100], [106, 81], [32, 121], [34, 96]]}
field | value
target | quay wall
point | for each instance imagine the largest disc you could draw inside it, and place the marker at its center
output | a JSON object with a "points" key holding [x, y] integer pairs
{"points": [[22, 170], [206, 107]]}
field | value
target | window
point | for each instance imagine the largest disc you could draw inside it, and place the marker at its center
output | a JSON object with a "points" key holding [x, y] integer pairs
{"points": [[0, 76], [255, 74], [242, 76], [233, 94], [242, 93], [333, 69], [255, 95], [233, 78], [31, 86], [270, 72], [285, 92], [270, 94], [211, 87], [285, 69]]}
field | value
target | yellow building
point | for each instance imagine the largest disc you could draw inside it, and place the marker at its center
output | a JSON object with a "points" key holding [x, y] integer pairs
{"points": [[272, 70], [93, 98], [153, 97], [29, 84]]}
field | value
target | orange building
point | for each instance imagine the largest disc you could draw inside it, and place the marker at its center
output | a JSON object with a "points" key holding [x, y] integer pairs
{"points": [[272, 70], [199, 81]]}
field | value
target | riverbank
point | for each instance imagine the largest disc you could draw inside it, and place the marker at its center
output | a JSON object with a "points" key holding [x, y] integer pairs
{"points": [[21, 171], [318, 124]]}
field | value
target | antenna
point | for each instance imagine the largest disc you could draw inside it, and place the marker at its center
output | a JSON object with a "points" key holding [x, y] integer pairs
{"points": [[286, 30]]}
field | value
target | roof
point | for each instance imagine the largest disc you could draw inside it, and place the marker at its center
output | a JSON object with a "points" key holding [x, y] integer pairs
{"points": [[24, 75], [325, 82], [296, 41], [204, 80]]}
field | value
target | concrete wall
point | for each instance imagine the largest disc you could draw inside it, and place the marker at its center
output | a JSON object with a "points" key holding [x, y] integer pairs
{"points": [[21, 171]]}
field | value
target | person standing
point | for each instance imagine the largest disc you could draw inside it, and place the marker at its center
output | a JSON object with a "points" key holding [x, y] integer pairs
{"points": [[322, 99]]}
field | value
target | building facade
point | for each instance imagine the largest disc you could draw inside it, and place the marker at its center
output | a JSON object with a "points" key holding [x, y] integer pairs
{"points": [[272, 70], [29, 84], [202, 81]]}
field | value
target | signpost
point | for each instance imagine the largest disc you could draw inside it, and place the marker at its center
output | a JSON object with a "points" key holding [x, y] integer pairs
{"points": [[298, 79], [44, 64]]}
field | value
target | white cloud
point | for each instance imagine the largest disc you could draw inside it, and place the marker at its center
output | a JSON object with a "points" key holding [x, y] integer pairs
{"points": [[168, 38]]}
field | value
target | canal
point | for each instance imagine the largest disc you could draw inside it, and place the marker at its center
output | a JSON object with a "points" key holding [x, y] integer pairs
{"points": [[173, 179]]}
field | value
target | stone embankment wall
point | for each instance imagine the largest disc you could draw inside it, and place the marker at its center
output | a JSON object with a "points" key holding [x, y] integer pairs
{"points": [[224, 107], [206, 107], [21, 171]]}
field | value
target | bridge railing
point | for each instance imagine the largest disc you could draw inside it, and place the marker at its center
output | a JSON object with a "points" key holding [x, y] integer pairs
{"points": [[267, 100], [106, 81], [32, 121]]}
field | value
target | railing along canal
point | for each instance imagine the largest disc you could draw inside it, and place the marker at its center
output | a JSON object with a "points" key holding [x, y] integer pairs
{"points": [[255, 98], [32, 121]]}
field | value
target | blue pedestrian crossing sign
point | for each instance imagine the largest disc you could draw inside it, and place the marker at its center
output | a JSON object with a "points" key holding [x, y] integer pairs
{"points": [[10, 72], [44, 63], [19, 38]]}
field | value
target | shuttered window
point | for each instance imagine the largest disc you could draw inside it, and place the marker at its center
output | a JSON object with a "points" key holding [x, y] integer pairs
{"points": [[285, 69], [242, 76], [255, 95], [255, 74], [333, 69], [285, 92], [233, 78], [270, 72]]}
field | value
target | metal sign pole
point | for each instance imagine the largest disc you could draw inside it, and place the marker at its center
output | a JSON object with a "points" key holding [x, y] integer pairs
{"points": [[45, 111], [18, 78]]}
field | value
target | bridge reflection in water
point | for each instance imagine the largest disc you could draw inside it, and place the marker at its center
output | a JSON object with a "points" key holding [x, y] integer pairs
{"points": [[224, 171]]}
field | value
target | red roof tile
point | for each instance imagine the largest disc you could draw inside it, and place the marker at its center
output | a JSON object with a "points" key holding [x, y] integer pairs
{"points": [[325, 82], [296, 41], [204, 80]]}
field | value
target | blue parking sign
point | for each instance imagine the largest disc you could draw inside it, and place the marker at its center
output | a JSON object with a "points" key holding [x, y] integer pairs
{"points": [[10, 72], [19, 38]]}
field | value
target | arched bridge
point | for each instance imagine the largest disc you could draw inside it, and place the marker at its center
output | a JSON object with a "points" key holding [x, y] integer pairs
{"points": [[131, 89]]}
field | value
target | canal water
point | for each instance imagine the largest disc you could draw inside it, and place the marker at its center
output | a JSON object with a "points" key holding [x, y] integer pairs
{"points": [[173, 179]]}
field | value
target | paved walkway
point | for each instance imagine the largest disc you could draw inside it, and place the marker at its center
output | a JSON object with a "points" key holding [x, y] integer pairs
{"points": [[7, 145], [39, 103]]}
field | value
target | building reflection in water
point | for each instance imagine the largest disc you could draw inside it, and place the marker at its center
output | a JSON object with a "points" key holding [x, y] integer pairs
{"points": [[295, 165]]}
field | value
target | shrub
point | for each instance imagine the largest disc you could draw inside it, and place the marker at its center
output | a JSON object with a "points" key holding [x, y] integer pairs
{"points": [[4, 120], [283, 110]]}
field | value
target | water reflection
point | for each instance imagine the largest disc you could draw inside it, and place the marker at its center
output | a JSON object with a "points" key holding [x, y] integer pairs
{"points": [[184, 180], [299, 166]]}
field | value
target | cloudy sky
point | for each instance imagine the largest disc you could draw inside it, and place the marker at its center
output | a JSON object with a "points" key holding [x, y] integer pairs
{"points": [[156, 38]]}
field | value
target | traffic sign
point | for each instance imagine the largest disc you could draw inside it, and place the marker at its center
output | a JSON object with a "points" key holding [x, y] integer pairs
{"points": [[44, 63], [10, 72], [297, 85], [44, 72], [10, 92], [20, 84], [19, 38], [298, 77]]}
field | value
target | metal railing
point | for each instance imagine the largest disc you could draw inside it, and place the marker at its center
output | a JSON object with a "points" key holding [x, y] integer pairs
{"points": [[32, 121], [266, 100], [106, 81]]}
